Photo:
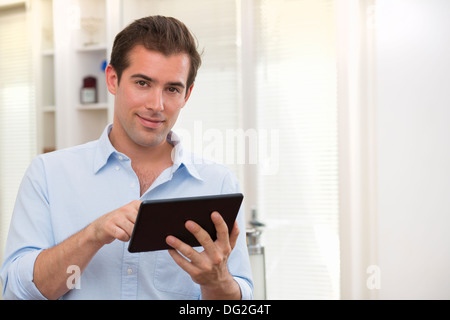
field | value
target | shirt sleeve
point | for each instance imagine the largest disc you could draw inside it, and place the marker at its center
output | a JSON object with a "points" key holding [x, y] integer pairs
{"points": [[239, 261], [30, 232]]}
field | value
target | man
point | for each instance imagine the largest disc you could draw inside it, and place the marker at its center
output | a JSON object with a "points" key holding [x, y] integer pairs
{"points": [[76, 207]]}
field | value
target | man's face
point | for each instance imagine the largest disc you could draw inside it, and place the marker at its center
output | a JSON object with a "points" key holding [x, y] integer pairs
{"points": [[150, 95]]}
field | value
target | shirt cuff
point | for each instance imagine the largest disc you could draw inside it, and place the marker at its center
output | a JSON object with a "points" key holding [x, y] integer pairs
{"points": [[25, 268], [246, 290]]}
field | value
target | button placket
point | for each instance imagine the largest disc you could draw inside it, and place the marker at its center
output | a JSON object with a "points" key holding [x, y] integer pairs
{"points": [[130, 268], [127, 166]]}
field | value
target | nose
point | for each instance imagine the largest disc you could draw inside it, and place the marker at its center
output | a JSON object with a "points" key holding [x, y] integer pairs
{"points": [[155, 100]]}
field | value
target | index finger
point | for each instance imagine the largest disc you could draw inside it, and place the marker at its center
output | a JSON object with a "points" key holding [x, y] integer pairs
{"points": [[127, 218], [133, 208]]}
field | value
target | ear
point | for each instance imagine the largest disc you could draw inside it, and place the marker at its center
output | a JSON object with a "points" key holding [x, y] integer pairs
{"points": [[111, 79], [188, 94]]}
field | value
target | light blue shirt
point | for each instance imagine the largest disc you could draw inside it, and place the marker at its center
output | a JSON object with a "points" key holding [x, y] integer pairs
{"points": [[63, 191]]}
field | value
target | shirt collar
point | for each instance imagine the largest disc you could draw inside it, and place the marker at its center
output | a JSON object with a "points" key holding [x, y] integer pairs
{"points": [[104, 150], [180, 157]]}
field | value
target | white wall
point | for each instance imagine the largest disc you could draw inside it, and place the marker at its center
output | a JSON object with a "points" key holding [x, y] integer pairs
{"points": [[413, 148]]}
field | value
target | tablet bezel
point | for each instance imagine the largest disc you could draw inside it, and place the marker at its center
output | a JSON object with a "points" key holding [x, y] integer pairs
{"points": [[157, 219]]}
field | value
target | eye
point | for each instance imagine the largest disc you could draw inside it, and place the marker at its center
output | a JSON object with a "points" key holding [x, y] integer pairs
{"points": [[173, 90], [141, 83]]}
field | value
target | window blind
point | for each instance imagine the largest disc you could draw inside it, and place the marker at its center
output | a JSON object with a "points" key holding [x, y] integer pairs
{"points": [[17, 110], [296, 95]]}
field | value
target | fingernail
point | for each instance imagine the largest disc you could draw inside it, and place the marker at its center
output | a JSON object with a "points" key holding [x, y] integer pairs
{"points": [[215, 215], [170, 240], [190, 225]]}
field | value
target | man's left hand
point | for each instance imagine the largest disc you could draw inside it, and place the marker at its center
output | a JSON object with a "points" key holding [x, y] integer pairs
{"points": [[209, 267]]}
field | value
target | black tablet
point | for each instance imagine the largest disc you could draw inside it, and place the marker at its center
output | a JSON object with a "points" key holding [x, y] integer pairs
{"points": [[158, 219]]}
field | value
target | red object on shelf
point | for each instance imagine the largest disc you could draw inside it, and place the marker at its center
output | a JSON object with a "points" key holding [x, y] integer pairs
{"points": [[89, 90]]}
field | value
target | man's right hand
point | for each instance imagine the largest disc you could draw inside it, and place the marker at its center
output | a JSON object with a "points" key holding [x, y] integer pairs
{"points": [[117, 224], [50, 269]]}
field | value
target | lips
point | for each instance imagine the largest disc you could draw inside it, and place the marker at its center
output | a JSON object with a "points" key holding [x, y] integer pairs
{"points": [[149, 122]]}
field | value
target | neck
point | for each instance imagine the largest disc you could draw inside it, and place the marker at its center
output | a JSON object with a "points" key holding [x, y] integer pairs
{"points": [[139, 154]]}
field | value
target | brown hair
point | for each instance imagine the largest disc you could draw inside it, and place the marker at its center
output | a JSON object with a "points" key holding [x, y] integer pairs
{"points": [[163, 34]]}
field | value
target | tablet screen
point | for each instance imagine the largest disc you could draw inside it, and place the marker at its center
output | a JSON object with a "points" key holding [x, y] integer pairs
{"points": [[158, 219]]}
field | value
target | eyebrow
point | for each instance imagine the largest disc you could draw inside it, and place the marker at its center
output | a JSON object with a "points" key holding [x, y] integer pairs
{"points": [[143, 76]]}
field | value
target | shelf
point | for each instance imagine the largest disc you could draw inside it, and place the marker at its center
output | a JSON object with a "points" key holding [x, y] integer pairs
{"points": [[48, 53], [48, 109], [92, 48], [79, 49], [94, 106]]}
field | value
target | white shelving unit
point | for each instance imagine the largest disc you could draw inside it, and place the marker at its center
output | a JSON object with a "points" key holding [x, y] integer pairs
{"points": [[44, 62], [73, 40]]}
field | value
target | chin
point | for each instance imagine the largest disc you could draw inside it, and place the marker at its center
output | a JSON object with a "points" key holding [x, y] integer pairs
{"points": [[150, 140]]}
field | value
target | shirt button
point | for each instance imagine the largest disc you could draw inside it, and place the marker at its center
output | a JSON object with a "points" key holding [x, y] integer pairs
{"points": [[129, 271], [117, 168], [132, 185], [120, 157]]}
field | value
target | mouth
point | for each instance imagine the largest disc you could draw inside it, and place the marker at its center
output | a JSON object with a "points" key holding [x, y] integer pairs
{"points": [[152, 123]]}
